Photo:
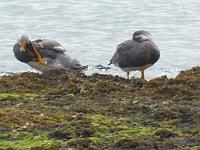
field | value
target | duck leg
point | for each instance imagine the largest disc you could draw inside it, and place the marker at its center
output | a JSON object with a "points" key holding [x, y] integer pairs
{"points": [[128, 75], [142, 75]]}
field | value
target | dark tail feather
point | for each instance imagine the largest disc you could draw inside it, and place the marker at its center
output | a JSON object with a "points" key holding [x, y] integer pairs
{"points": [[83, 67], [78, 66], [110, 62]]}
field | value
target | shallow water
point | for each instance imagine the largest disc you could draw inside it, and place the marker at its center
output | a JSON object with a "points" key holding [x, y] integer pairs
{"points": [[91, 30]]}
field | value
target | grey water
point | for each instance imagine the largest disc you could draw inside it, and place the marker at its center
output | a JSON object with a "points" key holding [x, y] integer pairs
{"points": [[91, 29]]}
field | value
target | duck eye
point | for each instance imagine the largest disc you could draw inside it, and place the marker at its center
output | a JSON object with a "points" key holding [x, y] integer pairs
{"points": [[137, 36]]}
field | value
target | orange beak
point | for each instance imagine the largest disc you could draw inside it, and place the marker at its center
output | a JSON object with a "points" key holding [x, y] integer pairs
{"points": [[39, 57], [22, 47]]}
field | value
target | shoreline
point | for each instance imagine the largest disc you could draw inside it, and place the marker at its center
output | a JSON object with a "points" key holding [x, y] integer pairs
{"points": [[59, 110]]}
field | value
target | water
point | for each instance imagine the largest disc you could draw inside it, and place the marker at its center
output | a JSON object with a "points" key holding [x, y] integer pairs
{"points": [[91, 30]]}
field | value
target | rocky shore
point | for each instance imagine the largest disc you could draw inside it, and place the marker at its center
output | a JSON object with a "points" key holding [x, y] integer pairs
{"points": [[60, 110]]}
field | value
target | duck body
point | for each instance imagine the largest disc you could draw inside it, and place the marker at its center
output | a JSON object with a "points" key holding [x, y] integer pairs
{"points": [[132, 55], [51, 52], [136, 54]]}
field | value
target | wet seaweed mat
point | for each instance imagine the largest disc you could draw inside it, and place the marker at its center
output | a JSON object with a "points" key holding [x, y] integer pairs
{"points": [[61, 110]]}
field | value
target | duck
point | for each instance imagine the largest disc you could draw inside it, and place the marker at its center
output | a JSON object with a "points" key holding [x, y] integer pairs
{"points": [[136, 54], [44, 54]]}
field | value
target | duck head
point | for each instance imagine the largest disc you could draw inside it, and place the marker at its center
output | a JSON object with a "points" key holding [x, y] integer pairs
{"points": [[22, 41], [142, 35]]}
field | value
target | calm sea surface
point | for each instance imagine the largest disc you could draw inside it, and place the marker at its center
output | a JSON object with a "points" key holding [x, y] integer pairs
{"points": [[91, 29]]}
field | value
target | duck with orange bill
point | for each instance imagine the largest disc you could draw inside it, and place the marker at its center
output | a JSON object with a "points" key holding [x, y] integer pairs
{"points": [[44, 54]]}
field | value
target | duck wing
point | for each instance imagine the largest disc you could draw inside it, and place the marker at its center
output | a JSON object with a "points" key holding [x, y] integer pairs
{"points": [[121, 50], [126, 46], [50, 45], [135, 54]]}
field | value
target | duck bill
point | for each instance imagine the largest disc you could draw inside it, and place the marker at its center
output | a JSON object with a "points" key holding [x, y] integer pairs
{"points": [[22, 47], [39, 56]]}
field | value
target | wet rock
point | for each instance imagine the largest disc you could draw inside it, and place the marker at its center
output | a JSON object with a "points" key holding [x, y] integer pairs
{"points": [[165, 133], [65, 110], [101, 67]]}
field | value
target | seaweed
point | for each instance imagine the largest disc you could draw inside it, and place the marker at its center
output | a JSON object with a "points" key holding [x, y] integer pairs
{"points": [[64, 110]]}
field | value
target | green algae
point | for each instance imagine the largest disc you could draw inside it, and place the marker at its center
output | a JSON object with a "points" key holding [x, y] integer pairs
{"points": [[25, 140], [112, 129], [87, 112], [96, 140], [70, 94], [102, 129], [14, 95]]}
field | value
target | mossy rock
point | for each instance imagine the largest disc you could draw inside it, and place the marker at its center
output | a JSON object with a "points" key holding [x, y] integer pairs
{"points": [[65, 110], [16, 96], [25, 140]]}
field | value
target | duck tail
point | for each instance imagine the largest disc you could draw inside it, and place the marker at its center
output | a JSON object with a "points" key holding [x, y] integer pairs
{"points": [[83, 67], [78, 66], [110, 62]]}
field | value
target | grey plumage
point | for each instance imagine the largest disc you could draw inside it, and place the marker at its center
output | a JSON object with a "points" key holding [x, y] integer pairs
{"points": [[138, 53], [52, 53]]}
